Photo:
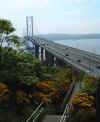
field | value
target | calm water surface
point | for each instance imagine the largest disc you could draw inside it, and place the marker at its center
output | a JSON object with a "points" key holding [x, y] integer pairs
{"points": [[91, 45]]}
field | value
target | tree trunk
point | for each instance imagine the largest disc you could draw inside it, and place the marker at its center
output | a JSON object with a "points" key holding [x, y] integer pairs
{"points": [[98, 102]]}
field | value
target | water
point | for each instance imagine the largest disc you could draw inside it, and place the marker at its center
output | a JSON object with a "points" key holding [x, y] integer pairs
{"points": [[91, 45]]}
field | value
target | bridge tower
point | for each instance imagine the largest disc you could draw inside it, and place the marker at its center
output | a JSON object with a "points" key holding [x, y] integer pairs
{"points": [[29, 26], [29, 34], [30, 39], [33, 45]]}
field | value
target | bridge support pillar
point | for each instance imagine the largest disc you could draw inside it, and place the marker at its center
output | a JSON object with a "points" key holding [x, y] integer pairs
{"points": [[59, 62], [37, 51], [46, 57], [42, 54], [49, 58]]}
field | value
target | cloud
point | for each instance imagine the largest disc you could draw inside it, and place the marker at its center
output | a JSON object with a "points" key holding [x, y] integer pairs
{"points": [[53, 15], [68, 26], [31, 3], [24, 3]]}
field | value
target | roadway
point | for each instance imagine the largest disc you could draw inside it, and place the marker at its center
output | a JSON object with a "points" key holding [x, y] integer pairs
{"points": [[82, 60]]}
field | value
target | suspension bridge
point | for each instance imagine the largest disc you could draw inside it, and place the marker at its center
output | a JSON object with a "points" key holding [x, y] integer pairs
{"points": [[57, 54], [60, 55]]}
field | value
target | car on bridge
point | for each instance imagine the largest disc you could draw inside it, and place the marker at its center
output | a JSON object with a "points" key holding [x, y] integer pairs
{"points": [[66, 54], [98, 67], [79, 60]]}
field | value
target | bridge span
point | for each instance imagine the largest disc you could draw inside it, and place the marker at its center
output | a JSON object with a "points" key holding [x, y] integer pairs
{"points": [[58, 54]]}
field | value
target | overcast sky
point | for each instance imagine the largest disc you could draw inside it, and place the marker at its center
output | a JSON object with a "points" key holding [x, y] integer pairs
{"points": [[53, 16]]}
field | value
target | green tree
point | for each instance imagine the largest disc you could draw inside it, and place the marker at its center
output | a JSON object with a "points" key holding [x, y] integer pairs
{"points": [[6, 28], [6, 33], [19, 67], [90, 84]]}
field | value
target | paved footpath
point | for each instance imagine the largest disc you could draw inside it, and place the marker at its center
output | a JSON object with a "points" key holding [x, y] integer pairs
{"points": [[51, 118], [77, 88]]}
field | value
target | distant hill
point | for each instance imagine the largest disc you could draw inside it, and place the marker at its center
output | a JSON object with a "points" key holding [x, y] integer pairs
{"points": [[69, 36]]}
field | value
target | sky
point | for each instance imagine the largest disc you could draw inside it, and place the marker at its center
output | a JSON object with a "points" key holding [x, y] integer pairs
{"points": [[53, 16]]}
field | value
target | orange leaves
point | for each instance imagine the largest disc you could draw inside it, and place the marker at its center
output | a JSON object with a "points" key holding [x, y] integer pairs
{"points": [[45, 85], [44, 95], [48, 91], [51, 90], [68, 83], [83, 100], [3, 92], [21, 97], [46, 100], [3, 86], [84, 104], [91, 98]]}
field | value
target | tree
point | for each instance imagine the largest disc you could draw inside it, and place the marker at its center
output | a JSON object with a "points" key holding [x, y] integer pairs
{"points": [[98, 100], [84, 108], [90, 84], [6, 28], [6, 34], [19, 67]]}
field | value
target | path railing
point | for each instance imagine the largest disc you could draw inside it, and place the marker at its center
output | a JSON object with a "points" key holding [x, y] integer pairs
{"points": [[66, 113], [68, 95], [36, 113]]}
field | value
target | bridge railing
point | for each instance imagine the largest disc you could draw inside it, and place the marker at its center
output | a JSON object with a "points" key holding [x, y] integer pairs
{"points": [[89, 62]]}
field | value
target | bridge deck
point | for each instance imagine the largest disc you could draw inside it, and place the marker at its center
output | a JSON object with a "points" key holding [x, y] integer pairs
{"points": [[82, 60]]}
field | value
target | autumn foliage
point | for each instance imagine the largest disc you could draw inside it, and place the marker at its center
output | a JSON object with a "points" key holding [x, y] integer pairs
{"points": [[84, 107], [49, 92], [90, 83], [21, 97], [83, 100], [3, 92], [46, 91]]}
